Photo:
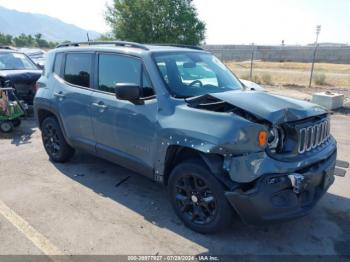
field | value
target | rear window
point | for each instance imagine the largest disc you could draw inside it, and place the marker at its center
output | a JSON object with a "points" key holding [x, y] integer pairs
{"points": [[78, 69]]}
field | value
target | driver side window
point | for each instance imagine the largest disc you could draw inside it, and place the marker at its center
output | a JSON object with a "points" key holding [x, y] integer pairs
{"points": [[115, 69]]}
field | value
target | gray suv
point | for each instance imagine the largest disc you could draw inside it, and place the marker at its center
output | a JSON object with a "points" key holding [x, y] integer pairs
{"points": [[177, 115]]}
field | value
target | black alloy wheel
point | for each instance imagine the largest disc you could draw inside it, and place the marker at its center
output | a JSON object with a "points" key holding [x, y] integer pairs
{"points": [[198, 198], [54, 142], [195, 200], [51, 140]]}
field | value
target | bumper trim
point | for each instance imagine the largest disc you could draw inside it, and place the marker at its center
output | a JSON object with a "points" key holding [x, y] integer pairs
{"points": [[273, 198]]}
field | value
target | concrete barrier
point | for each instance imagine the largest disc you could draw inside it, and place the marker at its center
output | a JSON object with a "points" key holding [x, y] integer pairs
{"points": [[325, 54]]}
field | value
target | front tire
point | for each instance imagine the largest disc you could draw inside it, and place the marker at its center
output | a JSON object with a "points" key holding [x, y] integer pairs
{"points": [[54, 142], [198, 198]]}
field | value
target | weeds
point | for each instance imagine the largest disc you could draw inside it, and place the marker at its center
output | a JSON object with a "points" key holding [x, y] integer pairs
{"points": [[266, 79], [320, 79]]}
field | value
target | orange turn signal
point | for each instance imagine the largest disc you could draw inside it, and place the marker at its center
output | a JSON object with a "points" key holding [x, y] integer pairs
{"points": [[262, 138]]}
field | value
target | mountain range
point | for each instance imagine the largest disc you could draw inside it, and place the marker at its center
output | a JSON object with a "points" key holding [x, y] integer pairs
{"points": [[52, 29]]}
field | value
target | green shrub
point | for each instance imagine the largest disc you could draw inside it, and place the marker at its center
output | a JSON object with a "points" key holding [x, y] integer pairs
{"points": [[320, 79]]}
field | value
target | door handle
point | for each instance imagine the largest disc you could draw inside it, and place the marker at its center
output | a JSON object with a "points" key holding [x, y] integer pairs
{"points": [[100, 105], [59, 95]]}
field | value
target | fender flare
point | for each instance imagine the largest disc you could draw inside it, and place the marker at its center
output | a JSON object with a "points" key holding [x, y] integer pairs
{"points": [[55, 114]]}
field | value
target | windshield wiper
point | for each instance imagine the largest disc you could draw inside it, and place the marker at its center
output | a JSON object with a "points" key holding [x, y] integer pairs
{"points": [[181, 97], [187, 100], [8, 69]]}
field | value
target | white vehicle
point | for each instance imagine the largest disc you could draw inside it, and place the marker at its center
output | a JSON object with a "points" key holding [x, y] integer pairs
{"points": [[252, 86]]}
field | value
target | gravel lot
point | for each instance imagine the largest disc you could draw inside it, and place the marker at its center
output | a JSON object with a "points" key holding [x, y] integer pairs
{"points": [[79, 208]]}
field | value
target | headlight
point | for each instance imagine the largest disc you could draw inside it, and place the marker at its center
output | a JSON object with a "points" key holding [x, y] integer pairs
{"points": [[275, 138]]}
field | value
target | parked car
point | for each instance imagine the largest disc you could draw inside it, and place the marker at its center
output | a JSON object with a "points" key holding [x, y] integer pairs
{"points": [[37, 55], [21, 71], [180, 117]]}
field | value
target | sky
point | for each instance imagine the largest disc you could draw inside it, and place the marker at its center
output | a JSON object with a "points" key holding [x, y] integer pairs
{"points": [[228, 21]]}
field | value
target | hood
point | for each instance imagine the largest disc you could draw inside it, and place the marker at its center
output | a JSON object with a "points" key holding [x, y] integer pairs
{"points": [[273, 108], [21, 75]]}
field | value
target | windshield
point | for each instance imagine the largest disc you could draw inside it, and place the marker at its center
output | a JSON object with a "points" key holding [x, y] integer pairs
{"points": [[190, 74], [15, 61]]}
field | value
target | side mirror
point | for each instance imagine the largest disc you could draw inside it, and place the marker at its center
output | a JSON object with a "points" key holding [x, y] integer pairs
{"points": [[40, 66], [129, 92]]}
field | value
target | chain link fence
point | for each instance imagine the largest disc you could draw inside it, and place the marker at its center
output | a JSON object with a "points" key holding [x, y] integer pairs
{"points": [[288, 66]]}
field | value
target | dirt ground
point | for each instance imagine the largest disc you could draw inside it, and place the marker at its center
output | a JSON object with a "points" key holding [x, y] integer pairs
{"points": [[335, 76], [81, 208]]}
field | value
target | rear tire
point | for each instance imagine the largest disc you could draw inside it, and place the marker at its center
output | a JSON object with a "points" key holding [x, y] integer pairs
{"points": [[198, 198], [54, 142], [6, 126]]}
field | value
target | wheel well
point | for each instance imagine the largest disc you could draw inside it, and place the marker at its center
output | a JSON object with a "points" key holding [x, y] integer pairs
{"points": [[176, 154], [42, 114]]}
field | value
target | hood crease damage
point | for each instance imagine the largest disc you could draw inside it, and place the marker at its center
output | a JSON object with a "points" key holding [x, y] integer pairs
{"points": [[257, 106]]}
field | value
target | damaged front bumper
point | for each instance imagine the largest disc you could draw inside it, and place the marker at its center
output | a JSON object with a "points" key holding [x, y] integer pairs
{"points": [[284, 196]]}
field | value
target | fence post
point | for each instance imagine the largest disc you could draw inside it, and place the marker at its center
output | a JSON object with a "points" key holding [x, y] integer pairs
{"points": [[313, 65], [251, 64]]}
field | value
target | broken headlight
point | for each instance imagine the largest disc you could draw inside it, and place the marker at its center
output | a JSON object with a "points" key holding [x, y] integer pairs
{"points": [[275, 138]]}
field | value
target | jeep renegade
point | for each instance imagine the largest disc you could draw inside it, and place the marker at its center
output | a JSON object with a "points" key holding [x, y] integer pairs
{"points": [[180, 117]]}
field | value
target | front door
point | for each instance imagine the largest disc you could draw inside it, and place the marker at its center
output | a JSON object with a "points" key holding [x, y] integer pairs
{"points": [[125, 132]]}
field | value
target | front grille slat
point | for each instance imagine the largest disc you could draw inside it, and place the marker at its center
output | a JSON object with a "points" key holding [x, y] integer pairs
{"points": [[313, 136]]}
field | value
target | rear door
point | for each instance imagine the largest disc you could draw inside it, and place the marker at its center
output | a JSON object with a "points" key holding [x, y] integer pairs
{"points": [[73, 95]]}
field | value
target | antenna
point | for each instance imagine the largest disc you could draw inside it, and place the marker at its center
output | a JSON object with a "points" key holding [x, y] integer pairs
{"points": [[87, 35]]}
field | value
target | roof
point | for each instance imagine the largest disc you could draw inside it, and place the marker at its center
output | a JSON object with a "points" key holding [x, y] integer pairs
{"points": [[32, 51], [126, 47], [8, 51]]}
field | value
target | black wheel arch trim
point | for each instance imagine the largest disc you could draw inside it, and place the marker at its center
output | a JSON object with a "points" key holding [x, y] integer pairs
{"points": [[213, 162], [215, 165]]}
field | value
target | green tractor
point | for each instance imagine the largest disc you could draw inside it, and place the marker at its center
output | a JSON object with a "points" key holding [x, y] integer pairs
{"points": [[11, 109]]}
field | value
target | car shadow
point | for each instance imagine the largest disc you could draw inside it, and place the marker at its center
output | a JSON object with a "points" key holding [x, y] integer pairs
{"points": [[21, 135], [345, 110], [324, 231]]}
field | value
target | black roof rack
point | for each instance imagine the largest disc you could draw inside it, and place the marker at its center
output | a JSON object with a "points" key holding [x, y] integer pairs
{"points": [[182, 46], [116, 43]]}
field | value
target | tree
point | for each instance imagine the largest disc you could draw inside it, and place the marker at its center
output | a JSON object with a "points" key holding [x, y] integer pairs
{"points": [[5, 39], [26, 41], [21, 40], [156, 21]]}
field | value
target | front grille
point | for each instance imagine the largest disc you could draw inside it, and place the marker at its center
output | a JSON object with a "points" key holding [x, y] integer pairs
{"points": [[313, 136]]}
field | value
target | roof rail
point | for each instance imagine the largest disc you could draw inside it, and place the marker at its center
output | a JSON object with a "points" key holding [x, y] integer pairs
{"points": [[182, 46], [6, 47], [116, 43]]}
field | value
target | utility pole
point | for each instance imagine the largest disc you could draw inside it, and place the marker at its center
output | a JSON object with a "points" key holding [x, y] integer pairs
{"points": [[251, 64], [318, 31], [281, 50]]}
